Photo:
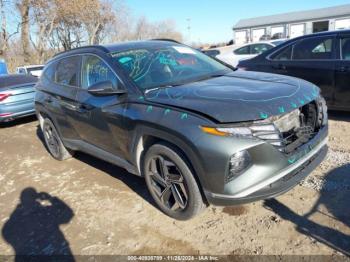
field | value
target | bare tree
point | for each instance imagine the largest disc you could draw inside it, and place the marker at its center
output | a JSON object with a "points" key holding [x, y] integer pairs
{"points": [[24, 8], [5, 35]]}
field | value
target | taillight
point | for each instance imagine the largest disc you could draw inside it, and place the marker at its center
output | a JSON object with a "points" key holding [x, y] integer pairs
{"points": [[4, 96]]}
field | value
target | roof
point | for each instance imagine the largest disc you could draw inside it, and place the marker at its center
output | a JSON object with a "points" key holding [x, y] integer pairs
{"points": [[118, 47], [334, 11], [13, 80]]}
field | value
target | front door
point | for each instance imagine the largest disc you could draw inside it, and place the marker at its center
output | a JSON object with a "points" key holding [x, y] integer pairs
{"points": [[311, 59], [99, 119], [342, 75]]}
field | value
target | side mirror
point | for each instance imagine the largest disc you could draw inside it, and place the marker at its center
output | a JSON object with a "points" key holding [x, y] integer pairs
{"points": [[104, 88]]}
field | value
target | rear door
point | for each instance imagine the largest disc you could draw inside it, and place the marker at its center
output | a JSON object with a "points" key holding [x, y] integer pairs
{"points": [[99, 119], [342, 74], [61, 83], [311, 59]]}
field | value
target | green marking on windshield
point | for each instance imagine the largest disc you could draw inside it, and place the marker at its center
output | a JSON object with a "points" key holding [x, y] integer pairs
{"points": [[281, 109], [124, 60], [184, 116], [294, 105], [301, 101], [167, 111], [149, 109]]}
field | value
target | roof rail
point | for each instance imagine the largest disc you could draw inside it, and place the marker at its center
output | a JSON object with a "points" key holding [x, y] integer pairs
{"points": [[102, 48], [165, 39]]}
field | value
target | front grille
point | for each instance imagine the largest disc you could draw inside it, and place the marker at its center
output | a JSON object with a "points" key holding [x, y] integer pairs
{"points": [[294, 129]]}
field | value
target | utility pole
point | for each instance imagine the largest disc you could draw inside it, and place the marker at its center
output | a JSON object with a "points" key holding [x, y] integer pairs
{"points": [[189, 29]]}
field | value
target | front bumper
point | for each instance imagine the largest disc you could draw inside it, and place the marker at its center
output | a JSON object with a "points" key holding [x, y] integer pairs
{"points": [[302, 163]]}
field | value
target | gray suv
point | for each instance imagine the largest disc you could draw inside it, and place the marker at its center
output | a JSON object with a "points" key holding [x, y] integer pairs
{"points": [[198, 131]]}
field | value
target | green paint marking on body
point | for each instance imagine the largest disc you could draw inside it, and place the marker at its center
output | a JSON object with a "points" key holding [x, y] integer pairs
{"points": [[167, 111], [141, 98], [149, 109], [281, 109], [307, 98], [263, 115], [301, 101], [292, 160], [184, 116], [294, 105]]}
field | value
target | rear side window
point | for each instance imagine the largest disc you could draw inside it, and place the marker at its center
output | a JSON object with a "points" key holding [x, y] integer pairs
{"points": [[345, 48], [67, 71], [95, 70], [259, 48], [242, 51], [316, 48]]}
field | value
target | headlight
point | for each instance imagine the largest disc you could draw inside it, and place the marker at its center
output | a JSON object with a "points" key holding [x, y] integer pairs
{"points": [[239, 131], [228, 131], [239, 162]]}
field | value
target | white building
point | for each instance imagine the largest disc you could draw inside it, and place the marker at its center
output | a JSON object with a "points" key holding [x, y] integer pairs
{"points": [[289, 25]]}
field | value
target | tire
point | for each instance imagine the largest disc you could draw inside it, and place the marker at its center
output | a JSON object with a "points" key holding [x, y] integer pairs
{"points": [[53, 142], [173, 188]]}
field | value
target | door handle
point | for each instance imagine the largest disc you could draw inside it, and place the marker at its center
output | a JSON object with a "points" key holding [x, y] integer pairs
{"points": [[48, 100], [343, 69], [82, 108]]}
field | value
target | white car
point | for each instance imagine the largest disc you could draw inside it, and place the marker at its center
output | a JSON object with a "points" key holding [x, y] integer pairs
{"points": [[34, 70], [233, 54]]}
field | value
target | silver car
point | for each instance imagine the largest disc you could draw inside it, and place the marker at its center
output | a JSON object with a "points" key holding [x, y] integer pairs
{"points": [[16, 96]]}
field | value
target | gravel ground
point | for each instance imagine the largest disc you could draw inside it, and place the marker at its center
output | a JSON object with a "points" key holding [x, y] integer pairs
{"points": [[84, 206]]}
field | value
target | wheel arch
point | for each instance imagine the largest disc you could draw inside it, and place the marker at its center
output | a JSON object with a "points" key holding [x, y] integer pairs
{"points": [[149, 136]]}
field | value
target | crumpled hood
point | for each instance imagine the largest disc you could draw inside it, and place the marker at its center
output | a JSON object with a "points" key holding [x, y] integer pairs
{"points": [[239, 96]]}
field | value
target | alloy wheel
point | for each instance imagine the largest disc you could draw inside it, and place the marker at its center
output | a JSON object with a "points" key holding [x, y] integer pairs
{"points": [[51, 139], [168, 183]]}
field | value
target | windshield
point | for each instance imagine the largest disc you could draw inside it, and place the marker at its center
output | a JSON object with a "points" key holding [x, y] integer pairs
{"points": [[167, 66]]}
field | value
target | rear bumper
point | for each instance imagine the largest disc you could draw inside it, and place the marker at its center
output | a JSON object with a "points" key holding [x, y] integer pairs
{"points": [[12, 116], [280, 183]]}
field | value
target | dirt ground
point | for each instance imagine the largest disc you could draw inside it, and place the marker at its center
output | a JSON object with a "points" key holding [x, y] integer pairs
{"points": [[91, 207]]}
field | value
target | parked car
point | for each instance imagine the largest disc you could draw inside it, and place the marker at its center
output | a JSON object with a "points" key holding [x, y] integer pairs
{"points": [[211, 52], [16, 96], [265, 38], [3, 68], [199, 132], [34, 70], [233, 54], [322, 58]]}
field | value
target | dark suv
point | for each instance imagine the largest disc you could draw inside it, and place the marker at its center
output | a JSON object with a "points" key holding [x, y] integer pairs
{"points": [[198, 131], [321, 58]]}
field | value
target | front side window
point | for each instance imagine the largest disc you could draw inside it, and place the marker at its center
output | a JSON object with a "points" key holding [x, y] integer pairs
{"points": [[242, 51], [345, 48], [95, 70], [67, 71], [167, 65], [316, 48]]}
